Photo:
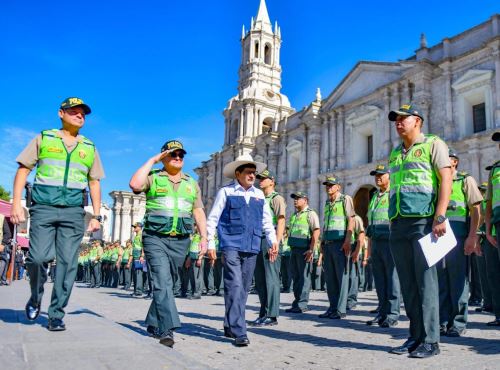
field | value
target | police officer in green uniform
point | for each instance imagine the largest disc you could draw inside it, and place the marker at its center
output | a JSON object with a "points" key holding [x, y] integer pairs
{"points": [[194, 267], [316, 268], [267, 267], [137, 260], [358, 241], [492, 220], [420, 174], [338, 225], [286, 275], [384, 271], [105, 266], [464, 214], [172, 201], [95, 265], [66, 164], [302, 239], [125, 260]]}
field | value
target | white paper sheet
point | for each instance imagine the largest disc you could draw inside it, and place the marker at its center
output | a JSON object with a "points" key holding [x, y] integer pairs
{"points": [[435, 249]]}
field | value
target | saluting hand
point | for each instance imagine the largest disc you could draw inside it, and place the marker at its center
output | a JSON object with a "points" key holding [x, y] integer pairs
{"points": [[157, 158]]}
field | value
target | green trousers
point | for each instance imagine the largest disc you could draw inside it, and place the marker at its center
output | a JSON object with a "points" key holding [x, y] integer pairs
{"points": [[492, 259], [267, 282], [301, 275], [336, 273], [55, 232], [95, 274], [419, 283], [164, 255]]}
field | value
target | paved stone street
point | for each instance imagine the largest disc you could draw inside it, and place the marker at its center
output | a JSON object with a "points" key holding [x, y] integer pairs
{"points": [[105, 331]]}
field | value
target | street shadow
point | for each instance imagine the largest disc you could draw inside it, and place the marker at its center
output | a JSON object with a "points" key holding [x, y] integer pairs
{"points": [[122, 295], [481, 346], [135, 329], [204, 331], [10, 316], [84, 311], [201, 316]]}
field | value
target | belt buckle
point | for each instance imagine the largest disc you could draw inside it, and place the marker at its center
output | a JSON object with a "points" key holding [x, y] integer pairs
{"points": [[173, 233]]}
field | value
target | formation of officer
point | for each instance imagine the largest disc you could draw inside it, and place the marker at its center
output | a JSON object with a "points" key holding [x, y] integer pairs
{"points": [[267, 268], [66, 164], [173, 204], [240, 215], [384, 271]]}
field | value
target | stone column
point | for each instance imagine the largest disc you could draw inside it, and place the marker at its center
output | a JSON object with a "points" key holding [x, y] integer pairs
{"points": [[303, 154], [283, 178], [125, 219], [390, 132], [496, 57], [333, 142], [240, 125], [314, 147], [448, 123], [249, 121], [340, 138], [324, 140], [116, 215], [425, 105], [226, 132]]}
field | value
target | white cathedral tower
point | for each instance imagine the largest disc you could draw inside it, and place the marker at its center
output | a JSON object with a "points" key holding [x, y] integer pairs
{"points": [[259, 105]]}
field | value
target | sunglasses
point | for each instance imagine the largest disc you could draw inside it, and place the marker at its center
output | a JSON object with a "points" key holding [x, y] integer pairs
{"points": [[177, 155]]}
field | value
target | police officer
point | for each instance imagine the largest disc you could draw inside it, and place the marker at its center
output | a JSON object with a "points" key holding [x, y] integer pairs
{"points": [[358, 241], [492, 218], [464, 214], [95, 254], [173, 199], [66, 164], [338, 225], [241, 215], [137, 260], [194, 267], [303, 236], [267, 273], [125, 261], [286, 276], [384, 271], [420, 187]]}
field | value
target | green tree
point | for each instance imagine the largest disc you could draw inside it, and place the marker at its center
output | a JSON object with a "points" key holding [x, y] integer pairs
{"points": [[4, 194]]}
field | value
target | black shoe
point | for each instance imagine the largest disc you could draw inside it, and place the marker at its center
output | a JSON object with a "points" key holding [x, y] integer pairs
{"points": [[269, 321], [228, 333], [425, 350], [495, 322], [195, 296], [326, 314], [388, 323], [474, 302], [455, 332], [337, 316], [241, 341], [56, 325], [210, 292], [167, 338], [376, 310], [484, 309], [351, 307], [285, 291], [376, 320], [409, 346], [153, 331], [32, 312], [442, 329], [217, 293], [257, 321], [296, 310]]}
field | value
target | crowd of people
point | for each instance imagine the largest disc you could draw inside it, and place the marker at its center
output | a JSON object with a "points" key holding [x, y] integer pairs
{"points": [[177, 251]]}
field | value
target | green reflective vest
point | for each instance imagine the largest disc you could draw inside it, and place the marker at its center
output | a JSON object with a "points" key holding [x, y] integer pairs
{"points": [[114, 254], [458, 214], [194, 247], [378, 216], [482, 228], [126, 255], [167, 211], [300, 233], [495, 196], [335, 221], [60, 176], [285, 248], [414, 184], [93, 254], [137, 246]]}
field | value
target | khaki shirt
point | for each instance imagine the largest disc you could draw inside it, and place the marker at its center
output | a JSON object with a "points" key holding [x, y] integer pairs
{"points": [[472, 194], [439, 153], [348, 204], [198, 203], [29, 156], [278, 206], [358, 225]]}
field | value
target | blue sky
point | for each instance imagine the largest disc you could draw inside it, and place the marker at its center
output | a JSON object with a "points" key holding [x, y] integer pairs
{"points": [[156, 70]]}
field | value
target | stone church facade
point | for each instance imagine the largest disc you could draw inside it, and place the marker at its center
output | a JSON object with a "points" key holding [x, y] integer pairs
{"points": [[456, 83]]}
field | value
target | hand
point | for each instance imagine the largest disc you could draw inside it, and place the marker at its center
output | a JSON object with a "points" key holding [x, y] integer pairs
{"points": [[320, 262], [198, 262], [187, 264], [212, 255], [2, 248], [273, 252], [308, 255], [365, 262], [17, 214], [94, 225], [492, 240], [355, 256], [157, 158], [346, 247], [141, 259], [470, 245], [438, 229], [117, 265], [203, 246], [127, 266]]}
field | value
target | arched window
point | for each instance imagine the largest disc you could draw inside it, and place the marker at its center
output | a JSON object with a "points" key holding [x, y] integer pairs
{"points": [[256, 51], [267, 54], [267, 125]]}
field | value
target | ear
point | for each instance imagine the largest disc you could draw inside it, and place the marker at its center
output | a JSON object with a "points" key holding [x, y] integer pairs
{"points": [[61, 113]]}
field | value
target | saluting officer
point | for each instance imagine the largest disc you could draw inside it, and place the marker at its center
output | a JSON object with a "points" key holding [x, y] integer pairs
{"points": [[66, 163], [173, 199], [420, 173], [384, 271], [492, 218], [303, 236], [267, 270], [338, 226], [464, 215], [240, 215]]}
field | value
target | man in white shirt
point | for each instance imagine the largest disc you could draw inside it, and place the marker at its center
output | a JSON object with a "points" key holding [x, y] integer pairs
{"points": [[240, 216]]}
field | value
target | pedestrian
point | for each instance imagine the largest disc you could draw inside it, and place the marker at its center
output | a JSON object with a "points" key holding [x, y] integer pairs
{"points": [[66, 164], [464, 215], [267, 270], [173, 200], [303, 237], [5, 250], [338, 228], [241, 216], [420, 187], [19, 263], [384, 270]]}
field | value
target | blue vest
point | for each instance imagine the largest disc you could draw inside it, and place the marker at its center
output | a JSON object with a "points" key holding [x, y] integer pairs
{"points": [[240, 224]]}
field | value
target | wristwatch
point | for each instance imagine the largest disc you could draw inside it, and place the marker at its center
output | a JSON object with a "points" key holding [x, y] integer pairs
{"points": [[440, 219], [98, 218]]}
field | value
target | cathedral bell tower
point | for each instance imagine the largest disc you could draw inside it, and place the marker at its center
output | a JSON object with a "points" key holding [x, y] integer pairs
{"points": [[259, 105]]}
